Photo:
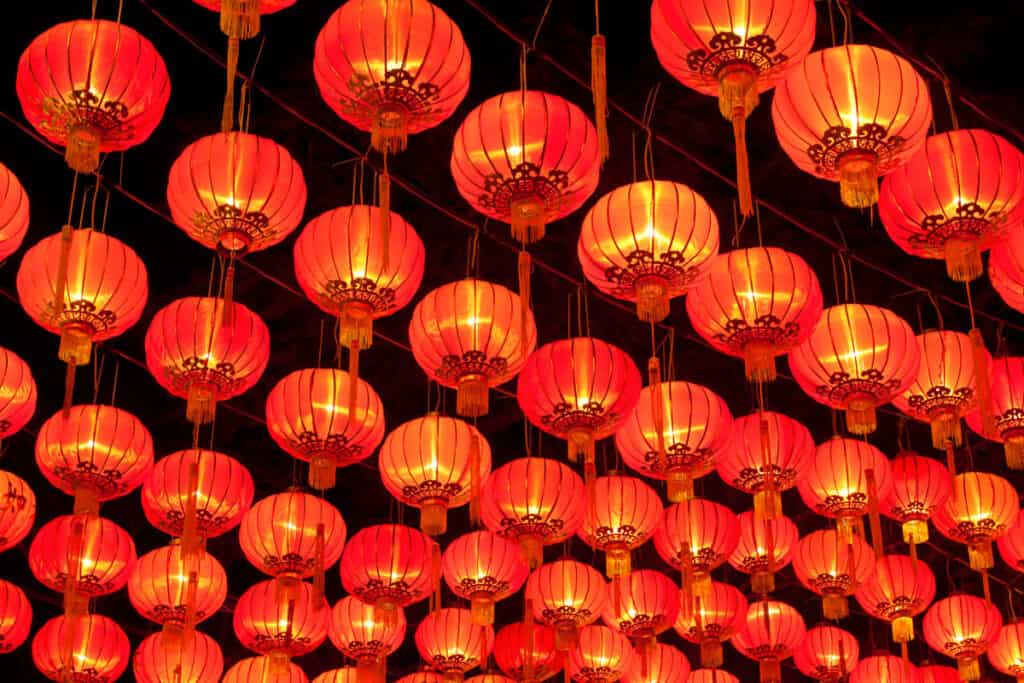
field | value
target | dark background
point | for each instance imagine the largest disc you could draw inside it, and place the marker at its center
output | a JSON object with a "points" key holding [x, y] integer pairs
{"points": [[974, 43]]}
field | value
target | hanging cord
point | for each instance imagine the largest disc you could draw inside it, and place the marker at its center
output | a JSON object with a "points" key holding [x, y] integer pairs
{"points": [[844, 11], [648, 126], [832, 23], [245, 101]]}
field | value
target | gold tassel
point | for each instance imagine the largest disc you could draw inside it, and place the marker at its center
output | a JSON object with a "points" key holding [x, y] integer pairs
{"points": [[969, 669], [435, 577], [979, 555], [657, 410], [82, 148], [240, 18], [227, 119], [963, 259], [318, 565], [87, 501], [835, 606], [858, 179], [529, 219], [474, 480], [739, 133], [228, 312], [599, 86], [861, 417], [903, 629], [983, 382], [384, 192], [769, 671], [524, 295], [873, 517], [1013, 448]]}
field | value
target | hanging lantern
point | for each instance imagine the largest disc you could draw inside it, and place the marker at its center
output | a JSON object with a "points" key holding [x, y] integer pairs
{"points": [[94, 453], [13, 213], [954, 198], [833, 567], [623, 516], [17, 510], [1011, 544], [648, 242], [580, 390], [280, 629], [346, 674], [177, 589], [262, 670], [388, 566], [696, 536], [312, 416], [1007, 386], [665, 664], [756, 304], [240, 18], [17, 393], [482, 567], [84, 649], [566, 595], [468, 335], [92, 86], [15, 617], [772, 631], [900, 588], [765, 546], [451, 644], [646, 603], [712, 619], [857, 358], [876, 119], [711, 676], [933, 673], [962, 627], [919, 487], [827, 654], [981, 508], [359, 635], [1006, 267], [527, 652], [1006, 653], [602, 656], [195, 353], [198, 660], [695, 426], [534, 501], [884, 669]]}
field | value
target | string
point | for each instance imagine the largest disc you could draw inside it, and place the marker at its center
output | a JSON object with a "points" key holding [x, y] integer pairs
{"points": [[540, 24], [831, 23], [113, 388]]}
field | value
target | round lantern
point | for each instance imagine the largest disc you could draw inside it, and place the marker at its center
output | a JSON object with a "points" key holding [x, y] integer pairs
{"points": [[601, 656], [580, 390], [13, 212], [451, 644], [1006, 653], [198, 660], [843, 477], [933, 673], [92, 86], [1007, 386], [17, 393], [884, 669], [852, 113], [1011, 544], [900, 588], [434, 463], [526, 158], [177, 589], [827, 654], [695, 425], [756, 304], [919, 487], [772, 631], [765, 546], [954, 198], [468, 335], [317, 415], [962, 627], [84, 649], [347, 674], [696, 536], [197, 353], [567, 595], [645, 603], [94, 453], [535, 501], [281, 628], [1006, 267], [665, 664], [17, 510], [857, 358], [981, 508], [15, 617], [833, 567], [389, 566], [263, 670], [623, 516], [648, 242], [527, 652], [711, 676], [483, 568], [360, 636], [712, 619]]}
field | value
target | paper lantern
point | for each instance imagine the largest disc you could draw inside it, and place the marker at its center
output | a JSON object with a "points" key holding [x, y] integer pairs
{"points": [[712, 619], [1007, 386], [242, 19], [646, 603], [355, 630], [17, 393], [13, 213], [527, 653], [92, 86], [765, 546], [919, 487], [1006, 267], [772, 631], [388, 566], [566, 595], [827, 654], [981, 508], [177, 589], [17, 510], [648, 242], [601, 656], [198, 660], [85, 649], [756, 304], [451, 644], [623, 516], [1006, 653], [483, 568], [833, 567], [900, 588], [696, 536], [15, 617], [665, 664], [262, 670], [962, 627], [839, 482], [1011, 544], [281, 628], [852, 113], [884, 669], [468, 335]]}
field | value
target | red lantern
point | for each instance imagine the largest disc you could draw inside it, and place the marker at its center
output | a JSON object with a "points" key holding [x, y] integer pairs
{"points": [[482, 678], [198, 660], [535, 501], [900, 588], [1011, 544], [94, 453], [13, 213], [346, 674], [648, 242], [483, 568], [1007, 386], [623, 516], [312, 415], [919, 487], [695, 425], [696, 536], [1006, 267], [388, 566], [954, 198], [756, 304], [981, 508], [177, 589], [92, 86], [827, 654], [665, 664], [772, 631], [451, 644], [711, 620], [17, 393], [17, 510], [580, 390], [833, 567], [857, 358], [15, 617], [839, 482], [962, 627], [765, 546], [242, 19], [601, 656], [875, 117], [197, 353], [933, 673], [1006, 653], [84, 649], [567, 595], [646, 603], [262, 670], [884, 669], [281, 628], [426, 677], [527, 653], [711, 676], [360, 636], [468, 335], [526, 158]]}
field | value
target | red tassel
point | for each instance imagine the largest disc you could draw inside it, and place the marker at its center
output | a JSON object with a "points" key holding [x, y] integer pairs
{"points": [[599, 86], [474, 480], [228, 312], [318, 565], [982, 380], [873, 517], [524, 295], [435, 577], [189, 525], [384, 191], [72, 599], [657, 410]]}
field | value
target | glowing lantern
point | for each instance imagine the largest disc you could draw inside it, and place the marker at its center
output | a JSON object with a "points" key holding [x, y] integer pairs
{"points": [[756, 304], [198, 660], [648, 242], [197, 353], [933, 673], [833, 567], [900, 588], [84, 649], [535, 501], [601, 656], [981, 508], [15, 617], [13, 213], [962, 627], [1011, 544], [242, 19], [360, 636], [388, 566], [696, 536], [711, 676], [262, 670], [884, 669], [346, 674], [469, 335], [1007, 386], [177, 589], [483, 568], [665, 664], [646, 603], [92, 86], [451, 644], [527, 653], [624, 514], [876, 118], [954, 198], [17, 393], [712, 619], [17, 510], [695, 426], [1006, 653], [772, 631], [857, 358], [827, 654], [95, 453], [526, 158], [919, 487], [281, 629], [317, 415], [567, 595], [764, 547], [1006, 267], [839, 482]]}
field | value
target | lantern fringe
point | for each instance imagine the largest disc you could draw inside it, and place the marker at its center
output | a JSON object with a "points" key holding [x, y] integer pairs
{"points": [[860, 416], [370, 670], [323, 473], [711, 653], [903, 629], [618, 562], [240, 18], [389, 133], [581, 443], [474, 480], [532, 551], [481, 608], [227, 118], [915, 531], [1013, 447], [980, 556], [599, 86], [846, 526], [835, 606], [471, 397], [767, 503], [82, 148], [858, 179], [278, 664], [700, 585], [529, 219], [318, 565], [652, 300], [200, 405], [983, 383], [946, 427], [523, 267], [963, 259], [566, 636], [87, 501], [75, 345], [762, 583], [384, 195], [739, 134], [355, 325], [969, 668], [759, 362], [769, 671], [433, 518], [680, 486]]}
